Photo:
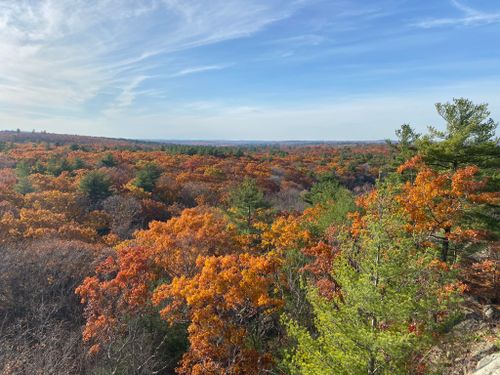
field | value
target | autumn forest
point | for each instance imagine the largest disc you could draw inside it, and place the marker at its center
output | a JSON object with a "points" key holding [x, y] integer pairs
{"points": [[134, 257]]}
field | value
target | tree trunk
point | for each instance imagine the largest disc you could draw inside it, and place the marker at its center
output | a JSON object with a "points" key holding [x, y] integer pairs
{"points": [[446, 245]]}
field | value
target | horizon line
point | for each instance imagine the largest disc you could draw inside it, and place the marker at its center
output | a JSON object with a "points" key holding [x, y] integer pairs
{"points": [[166, 140]]}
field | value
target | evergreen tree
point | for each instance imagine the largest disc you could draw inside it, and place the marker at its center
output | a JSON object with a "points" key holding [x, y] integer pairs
{"points": [[96, 186], [469, 137], [246, 199], [58, 164], [78, 163], [146, 177], [381, 316], [23, 185], [108, 161], [405, 147], [468, 141], [335, 200]]}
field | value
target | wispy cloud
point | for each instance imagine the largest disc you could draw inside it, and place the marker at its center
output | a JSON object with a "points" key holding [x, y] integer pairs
{"points": [[469, 17], [300, 40], [126, 96], [200, 69], [58, 55], [364, 117], [121, 67]]}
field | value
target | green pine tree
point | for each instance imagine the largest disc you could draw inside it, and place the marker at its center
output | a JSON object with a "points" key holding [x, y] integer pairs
{"points": [[96, 186], [146, 177], [108, 160], [469, 137], [246, 199], [386, 292], [23, 185]]}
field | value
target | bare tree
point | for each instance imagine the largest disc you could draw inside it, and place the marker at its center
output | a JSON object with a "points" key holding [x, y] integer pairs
{"points": [[125, 214], [40, 315]]}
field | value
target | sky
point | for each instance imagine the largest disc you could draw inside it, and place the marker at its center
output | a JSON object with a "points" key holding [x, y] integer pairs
{"points": [[243, 69]]}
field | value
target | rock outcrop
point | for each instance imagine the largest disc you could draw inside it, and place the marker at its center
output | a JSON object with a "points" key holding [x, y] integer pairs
{"points": [[489, 365]]}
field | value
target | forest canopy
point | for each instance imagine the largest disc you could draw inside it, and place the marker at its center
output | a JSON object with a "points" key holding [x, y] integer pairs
{"points": [[118, 257]]}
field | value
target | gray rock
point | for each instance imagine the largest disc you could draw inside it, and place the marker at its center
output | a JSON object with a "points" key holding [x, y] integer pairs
{"points": [[470, 313], [489, 312], [466, 325], [483, 351], [489, 365], [481, 255]]}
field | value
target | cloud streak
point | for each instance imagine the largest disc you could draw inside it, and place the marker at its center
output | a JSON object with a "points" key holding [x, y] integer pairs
{"points": [[471, 17], [200, 69], [58, 55]]}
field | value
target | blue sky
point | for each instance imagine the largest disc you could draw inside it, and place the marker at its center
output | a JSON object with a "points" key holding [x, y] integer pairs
{"points": [[243, 69]]}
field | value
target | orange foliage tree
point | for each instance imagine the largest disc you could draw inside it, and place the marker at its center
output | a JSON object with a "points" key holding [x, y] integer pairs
{"points": [[192, 267], [123, 284], [228, 301], [437, 202]]}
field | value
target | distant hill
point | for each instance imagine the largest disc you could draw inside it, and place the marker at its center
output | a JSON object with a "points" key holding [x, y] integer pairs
{"points": [[241, 143], [62, 139], [20, 136]]}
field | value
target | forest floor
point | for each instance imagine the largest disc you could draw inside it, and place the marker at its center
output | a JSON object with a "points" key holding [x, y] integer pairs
{"points": [[472, 346]]}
